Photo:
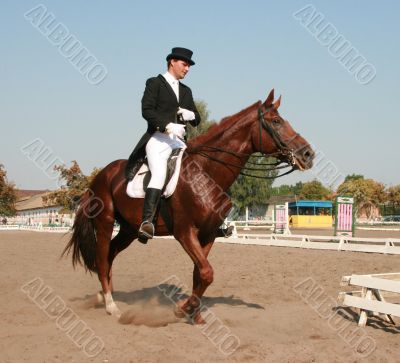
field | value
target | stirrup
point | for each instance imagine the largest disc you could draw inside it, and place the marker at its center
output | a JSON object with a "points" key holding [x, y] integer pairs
{"points": [[146, 233]]}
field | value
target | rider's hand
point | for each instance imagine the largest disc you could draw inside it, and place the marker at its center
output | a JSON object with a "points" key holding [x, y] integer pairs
{"points": [[176, 129], [187, 115]]}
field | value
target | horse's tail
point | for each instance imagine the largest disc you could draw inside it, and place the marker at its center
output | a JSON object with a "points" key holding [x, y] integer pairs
{"points": [[83, 240]]}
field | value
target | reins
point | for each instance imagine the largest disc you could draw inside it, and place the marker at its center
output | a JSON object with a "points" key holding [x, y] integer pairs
{"points": [[284, 150]]}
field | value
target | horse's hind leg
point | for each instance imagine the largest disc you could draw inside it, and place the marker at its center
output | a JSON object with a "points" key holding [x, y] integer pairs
{"points": [[103, 236], [121, 241]]}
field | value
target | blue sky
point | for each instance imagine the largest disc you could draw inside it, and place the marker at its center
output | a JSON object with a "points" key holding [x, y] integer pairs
{"points": [[242, 49]]}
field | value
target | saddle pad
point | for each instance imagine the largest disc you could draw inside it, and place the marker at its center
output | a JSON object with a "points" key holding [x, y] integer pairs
{"points": [[137, 186]]}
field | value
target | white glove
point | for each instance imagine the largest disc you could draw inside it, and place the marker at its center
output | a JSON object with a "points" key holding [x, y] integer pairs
{"points": [[187, 115], [176, 129]]}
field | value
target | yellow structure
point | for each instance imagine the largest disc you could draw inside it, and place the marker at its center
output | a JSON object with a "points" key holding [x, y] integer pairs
{"points": [[311, 221], [310, 214]]}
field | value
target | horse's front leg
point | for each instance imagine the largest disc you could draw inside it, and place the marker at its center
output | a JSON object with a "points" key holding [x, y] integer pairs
{"points": [[203, 275], [198, 287]]}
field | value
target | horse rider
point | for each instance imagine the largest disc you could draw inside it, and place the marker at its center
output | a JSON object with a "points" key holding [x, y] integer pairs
{"points": [[167, 106]]}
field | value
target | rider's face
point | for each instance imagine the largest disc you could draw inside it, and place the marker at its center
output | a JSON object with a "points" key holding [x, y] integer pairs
{"points": [[179, 68]]}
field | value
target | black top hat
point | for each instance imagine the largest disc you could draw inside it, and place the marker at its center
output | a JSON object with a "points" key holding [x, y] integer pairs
{"points": [[181, 54]]}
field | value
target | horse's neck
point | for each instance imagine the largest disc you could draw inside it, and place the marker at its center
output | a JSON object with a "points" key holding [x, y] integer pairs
{"points": [[235, 148]]}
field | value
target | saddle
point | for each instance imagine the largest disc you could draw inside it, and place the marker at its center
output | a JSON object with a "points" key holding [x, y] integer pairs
{"points": [[136, 188]]}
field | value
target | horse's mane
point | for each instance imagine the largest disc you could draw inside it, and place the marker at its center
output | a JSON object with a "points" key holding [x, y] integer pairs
{"points": [[215, 130]]}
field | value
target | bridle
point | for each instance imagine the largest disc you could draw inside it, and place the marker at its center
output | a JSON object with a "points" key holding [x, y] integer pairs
{"points": [[284, 150], [283, 146]]}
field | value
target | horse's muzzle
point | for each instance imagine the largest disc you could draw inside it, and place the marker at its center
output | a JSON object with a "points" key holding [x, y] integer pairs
{"points": [[304, 158]]}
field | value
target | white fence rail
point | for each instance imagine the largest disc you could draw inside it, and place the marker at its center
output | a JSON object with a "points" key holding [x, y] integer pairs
{"points": [[339, 243], [37, 228], [9, 226], [269, 224]]}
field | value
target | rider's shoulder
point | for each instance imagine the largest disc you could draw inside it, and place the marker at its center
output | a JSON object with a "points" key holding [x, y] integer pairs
{"points": [[152, 80]]}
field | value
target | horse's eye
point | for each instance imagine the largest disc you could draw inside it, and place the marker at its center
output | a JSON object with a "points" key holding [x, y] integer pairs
{"points": [[276, 121]]}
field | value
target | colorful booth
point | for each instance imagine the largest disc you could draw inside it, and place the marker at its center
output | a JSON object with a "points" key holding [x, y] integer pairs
{"points": [[310, 214]]}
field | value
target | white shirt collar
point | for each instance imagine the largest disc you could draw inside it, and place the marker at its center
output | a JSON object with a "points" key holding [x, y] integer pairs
{"points": [[170, 78]]}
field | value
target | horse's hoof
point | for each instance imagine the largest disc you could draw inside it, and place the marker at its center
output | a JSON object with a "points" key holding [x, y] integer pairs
{"points": [[179, 310], [113, 310], [179, 313], [198, 319], [100, 298]]}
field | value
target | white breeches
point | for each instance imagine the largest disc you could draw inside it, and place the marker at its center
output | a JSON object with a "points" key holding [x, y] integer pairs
{"points": [[158, 150]]}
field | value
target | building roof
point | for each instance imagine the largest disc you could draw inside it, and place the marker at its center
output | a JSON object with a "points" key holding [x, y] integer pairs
{"points": [[34, 202], [23, 194], [311, 203]]}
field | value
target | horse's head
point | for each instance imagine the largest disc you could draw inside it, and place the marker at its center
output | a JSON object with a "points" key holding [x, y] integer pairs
{"points": [[274, 135]]}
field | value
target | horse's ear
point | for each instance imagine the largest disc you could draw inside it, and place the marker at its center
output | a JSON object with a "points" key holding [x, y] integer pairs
{"points": [[277, 103], [270, 99]]}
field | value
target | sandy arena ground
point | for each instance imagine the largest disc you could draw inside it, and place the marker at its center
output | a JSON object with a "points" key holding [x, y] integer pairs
{"points": [[256, 301]]}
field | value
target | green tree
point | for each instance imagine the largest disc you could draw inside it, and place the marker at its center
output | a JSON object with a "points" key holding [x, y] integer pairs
{"points": [[8, 195], [75, 184], [393, 199], [353, 177], [314, 190], [204, 124], [286, 189], [393, 195], [250, 191], [368, 193]]}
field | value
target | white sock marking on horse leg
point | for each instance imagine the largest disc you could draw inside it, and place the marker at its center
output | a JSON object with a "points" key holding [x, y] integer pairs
{"points": [[111, 306]]}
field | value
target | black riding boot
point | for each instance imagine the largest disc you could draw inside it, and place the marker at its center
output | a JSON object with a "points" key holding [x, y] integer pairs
{"points": [[151, 200], [225, 232]]}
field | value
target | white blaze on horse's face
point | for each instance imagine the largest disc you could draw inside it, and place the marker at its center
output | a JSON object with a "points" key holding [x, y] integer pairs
{"points": [[179, 68]]}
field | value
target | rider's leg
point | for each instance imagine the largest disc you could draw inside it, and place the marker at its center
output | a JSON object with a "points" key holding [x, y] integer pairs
{"points": [[157, 151], [151, 200]]}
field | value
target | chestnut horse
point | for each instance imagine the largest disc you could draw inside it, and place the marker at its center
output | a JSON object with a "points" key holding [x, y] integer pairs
{"points": [[210, 165]]}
